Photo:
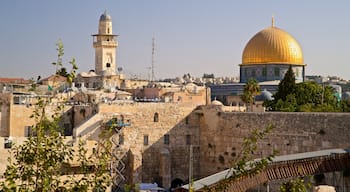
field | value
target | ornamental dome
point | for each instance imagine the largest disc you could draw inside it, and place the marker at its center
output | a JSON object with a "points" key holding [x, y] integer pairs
{"points": [[272, 46], [264, 96], [105, 17]]}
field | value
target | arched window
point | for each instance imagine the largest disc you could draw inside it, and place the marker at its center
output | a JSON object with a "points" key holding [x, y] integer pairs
{"points": [[156, 117]]}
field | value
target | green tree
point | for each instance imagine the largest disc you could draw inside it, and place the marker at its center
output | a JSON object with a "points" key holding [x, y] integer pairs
{"points": [[289, 105], [311, 96], [63, 72], [251, 89], [303, 97], [297, 185], [286, 86], [59, 64], [41, 161]]}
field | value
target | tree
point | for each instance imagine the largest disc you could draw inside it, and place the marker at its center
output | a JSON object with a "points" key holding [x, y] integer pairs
{"points": [[251, 89], [60, 70], [297, 185], [41, 161], [287, 85], [303, 97], [289, 105]]}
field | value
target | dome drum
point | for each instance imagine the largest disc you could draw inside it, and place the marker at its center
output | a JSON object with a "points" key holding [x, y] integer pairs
{"points": [[269, 72]]}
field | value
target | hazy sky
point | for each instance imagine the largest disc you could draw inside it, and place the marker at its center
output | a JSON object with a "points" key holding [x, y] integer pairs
{"points": [[192, 36]]}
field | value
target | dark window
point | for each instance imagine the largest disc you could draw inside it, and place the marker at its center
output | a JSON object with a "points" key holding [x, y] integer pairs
{"points": [[145, 140], [253, 73], [108, 65], [7, 143], [187, 120], [156, 117], [264, 71], [121, 139], [167, 139], [68, 130], [28, 131], [277, 71], [188, 139]]}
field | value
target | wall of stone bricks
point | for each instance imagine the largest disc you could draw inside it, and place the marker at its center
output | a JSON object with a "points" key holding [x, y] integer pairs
{"points": [[145, 161], [216, 136], [222, 133]]}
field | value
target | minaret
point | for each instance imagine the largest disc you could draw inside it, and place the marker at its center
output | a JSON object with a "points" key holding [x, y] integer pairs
{"points": [[105, 45]]}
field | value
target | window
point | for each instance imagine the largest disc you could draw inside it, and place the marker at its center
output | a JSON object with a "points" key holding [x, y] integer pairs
{"points": [[145, 140], [188, 139], [187, 120], [121, 139], [108, 65], [27, 131], [156, 117], [264, 72], [166, 139], [297, 72], [7, 143], [277, 71], [253, 73]]}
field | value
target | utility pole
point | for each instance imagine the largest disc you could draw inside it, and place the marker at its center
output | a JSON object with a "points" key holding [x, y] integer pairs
{"points": [[190, 170]]}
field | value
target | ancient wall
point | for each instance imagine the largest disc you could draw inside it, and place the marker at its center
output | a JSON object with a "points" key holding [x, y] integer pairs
{"points": [[222, 133], [151, 160]]}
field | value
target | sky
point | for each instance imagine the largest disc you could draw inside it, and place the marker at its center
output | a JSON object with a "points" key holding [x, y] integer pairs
{"points": [[191, 36]]}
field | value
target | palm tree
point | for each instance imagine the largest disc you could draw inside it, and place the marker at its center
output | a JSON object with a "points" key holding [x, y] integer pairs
{"points": [[251, 89]]}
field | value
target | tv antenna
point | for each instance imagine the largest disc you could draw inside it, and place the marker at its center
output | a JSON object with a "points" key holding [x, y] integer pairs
{"points": [[153, 59]]}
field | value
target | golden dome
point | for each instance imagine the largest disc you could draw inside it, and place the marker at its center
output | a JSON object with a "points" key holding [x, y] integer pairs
{"points": [[272, 45]]}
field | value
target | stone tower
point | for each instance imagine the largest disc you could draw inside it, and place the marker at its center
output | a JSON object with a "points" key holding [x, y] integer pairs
{"points": [[105, 45]]}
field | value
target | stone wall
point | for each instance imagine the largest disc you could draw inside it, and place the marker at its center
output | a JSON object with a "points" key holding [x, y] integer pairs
{"points": [[222, 133], [157, 161], [215, 134]]}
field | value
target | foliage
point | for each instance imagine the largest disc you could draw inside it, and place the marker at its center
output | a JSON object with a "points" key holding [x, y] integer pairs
{"points": [[287, 85], [243, 164], [60, 70], [297, 185], [251, 89], [289, 105], [304, 97], [41, 162], [345, 105]]}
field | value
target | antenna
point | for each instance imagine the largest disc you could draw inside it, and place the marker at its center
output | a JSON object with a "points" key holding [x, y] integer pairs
{"points": [[153, 59]]}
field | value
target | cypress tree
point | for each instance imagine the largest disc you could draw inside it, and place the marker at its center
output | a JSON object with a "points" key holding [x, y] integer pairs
{"points": [[286, 86]]}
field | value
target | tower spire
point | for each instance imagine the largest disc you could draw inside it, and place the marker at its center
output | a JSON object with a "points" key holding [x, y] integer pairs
{"points": [[273, 21]]}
